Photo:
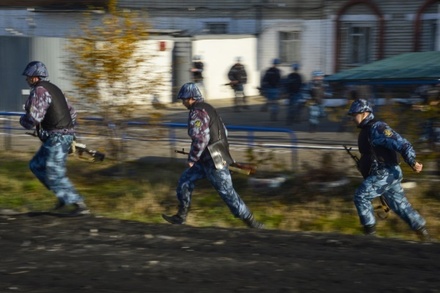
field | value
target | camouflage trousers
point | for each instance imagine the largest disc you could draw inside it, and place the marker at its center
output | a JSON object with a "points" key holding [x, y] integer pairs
{"points": [[49, 166], [386, 182], [221, 181]]}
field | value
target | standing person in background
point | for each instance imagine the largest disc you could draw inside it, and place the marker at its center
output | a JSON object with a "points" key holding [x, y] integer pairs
{"points": [[314, 113], [317, 90], [379, 165], [209, 139], [237, 79], [294, 84], [271, 86], [48, 111], [197, 73]]}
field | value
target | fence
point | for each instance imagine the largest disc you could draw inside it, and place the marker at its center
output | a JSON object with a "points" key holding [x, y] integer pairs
{"points": [[251, 136], [8, 127]]}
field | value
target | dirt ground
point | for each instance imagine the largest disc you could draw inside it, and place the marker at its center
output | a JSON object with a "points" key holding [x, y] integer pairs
{"points": [[45, 254]]}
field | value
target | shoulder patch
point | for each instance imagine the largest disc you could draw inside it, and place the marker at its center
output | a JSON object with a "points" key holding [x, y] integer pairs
{"points": [[387, 132], [197, 123]]}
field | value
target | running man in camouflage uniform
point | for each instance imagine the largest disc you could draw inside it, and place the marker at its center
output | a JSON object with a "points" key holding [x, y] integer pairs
{"points": [[48, 111], [379, 164], [205, 127]]}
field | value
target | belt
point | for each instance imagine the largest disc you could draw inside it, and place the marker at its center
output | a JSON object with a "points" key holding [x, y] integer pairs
{"points": [[61, 131]]}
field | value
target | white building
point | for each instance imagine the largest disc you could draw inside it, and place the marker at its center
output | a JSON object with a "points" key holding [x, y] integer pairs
{"points": [[319, 34]]}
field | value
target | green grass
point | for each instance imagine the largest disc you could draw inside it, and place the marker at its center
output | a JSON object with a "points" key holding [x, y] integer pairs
{"points": [[142, 190]]}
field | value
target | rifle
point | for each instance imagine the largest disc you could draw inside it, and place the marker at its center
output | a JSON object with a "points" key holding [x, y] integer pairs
{"points": [[246, 169], [80, 148], [384, 205], [354, 157], [231, 84]]}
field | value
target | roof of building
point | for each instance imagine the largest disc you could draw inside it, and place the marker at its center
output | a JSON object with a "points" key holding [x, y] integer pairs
{"points": [[407, 68]]}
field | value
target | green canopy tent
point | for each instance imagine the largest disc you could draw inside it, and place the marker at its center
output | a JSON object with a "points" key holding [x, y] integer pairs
{"points": [[414, 68]]}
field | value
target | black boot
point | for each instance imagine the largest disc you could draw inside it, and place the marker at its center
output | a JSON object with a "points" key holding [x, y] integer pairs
{"points": [[179, 218], [370, 230], [423, 234], [252, 223]]}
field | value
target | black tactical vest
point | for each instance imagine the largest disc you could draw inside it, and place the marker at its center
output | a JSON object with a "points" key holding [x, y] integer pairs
{"points": [[216, 126], [58, 114], [383, 156]]}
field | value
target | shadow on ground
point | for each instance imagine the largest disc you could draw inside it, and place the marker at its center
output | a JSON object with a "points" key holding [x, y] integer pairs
{"points": [[92, 254]]}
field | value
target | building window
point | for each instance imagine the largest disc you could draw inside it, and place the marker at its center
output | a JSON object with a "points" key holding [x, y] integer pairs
{"points": [[290, 46], [216, 28], [360, 45]]}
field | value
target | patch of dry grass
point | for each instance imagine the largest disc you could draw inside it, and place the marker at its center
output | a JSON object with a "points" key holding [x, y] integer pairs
{"points": [[142, 190]]}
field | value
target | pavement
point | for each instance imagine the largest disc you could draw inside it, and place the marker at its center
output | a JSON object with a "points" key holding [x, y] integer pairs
{"points": [[306, 147], [249, 127], [328, 132], [292, 145]]}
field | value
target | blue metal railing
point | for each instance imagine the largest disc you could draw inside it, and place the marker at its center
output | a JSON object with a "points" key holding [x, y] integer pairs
{"points": [[249, 129], [172, 126], [8, 127]]}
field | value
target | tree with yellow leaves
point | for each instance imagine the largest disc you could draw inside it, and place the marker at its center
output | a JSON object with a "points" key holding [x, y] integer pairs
{"points": [[110, 65], [110, 61]]}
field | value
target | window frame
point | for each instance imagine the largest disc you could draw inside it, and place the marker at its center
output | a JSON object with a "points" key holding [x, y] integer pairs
{"points": [[216, 27], [290, 47], [364, 42]]}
